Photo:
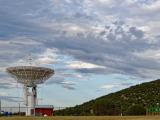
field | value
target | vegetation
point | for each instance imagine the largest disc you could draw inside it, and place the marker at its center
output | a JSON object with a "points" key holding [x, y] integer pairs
{"points": [[103, 107], [136, 110], [124, 102], [83, 118]]}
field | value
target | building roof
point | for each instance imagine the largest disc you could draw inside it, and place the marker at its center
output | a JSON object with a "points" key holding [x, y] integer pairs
{"points": [[44, 106]]}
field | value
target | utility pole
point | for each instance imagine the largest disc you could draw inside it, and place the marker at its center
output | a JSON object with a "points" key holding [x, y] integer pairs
{"points": [[19, 108], [0, 106]]}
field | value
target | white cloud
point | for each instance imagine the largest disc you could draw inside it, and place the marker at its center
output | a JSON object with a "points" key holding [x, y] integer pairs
{"points": [[106, 2], [109, 86], [2, 69], [81, 64], [68, 82], [152, 7], [75, 28], [3, 94], [48, 57], [115, 86], [149, 54]]}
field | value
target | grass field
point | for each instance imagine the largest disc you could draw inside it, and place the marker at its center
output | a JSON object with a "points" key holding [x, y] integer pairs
{"points": [[84, 118]]}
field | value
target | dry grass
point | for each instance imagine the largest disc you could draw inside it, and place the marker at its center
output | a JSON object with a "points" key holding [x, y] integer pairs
{"points": [[84, 118]]}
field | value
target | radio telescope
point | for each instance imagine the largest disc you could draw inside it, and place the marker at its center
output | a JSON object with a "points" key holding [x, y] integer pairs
{"points": [[30, 77]]}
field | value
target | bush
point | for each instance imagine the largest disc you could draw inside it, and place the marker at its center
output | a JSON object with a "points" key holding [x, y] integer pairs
{"points": [[104, 107], [136, 110]]}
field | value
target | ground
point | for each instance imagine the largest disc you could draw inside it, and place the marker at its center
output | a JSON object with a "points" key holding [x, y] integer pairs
{"points": [[84, 118]]}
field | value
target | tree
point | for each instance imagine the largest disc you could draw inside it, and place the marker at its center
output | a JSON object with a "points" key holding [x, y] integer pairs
{"points": [[104, 107]]}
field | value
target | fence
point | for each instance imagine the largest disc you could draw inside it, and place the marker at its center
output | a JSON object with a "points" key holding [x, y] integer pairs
{"points": [[153, 111], [21, 110]]}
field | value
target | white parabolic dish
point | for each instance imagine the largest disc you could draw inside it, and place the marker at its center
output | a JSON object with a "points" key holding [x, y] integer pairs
{"points": [[30, 75]]}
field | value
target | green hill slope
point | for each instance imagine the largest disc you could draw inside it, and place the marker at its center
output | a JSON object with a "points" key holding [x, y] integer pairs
{"points": [[137, 97]]}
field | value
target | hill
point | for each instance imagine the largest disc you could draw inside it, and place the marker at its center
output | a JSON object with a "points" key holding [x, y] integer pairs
{"points": [[126, 101]]}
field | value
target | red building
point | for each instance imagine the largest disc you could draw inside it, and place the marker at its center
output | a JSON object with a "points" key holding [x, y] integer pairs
{"points": [[42, 110]]}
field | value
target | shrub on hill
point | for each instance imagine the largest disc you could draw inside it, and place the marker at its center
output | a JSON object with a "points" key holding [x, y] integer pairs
{"points": [[103, 107], [136, 110]]}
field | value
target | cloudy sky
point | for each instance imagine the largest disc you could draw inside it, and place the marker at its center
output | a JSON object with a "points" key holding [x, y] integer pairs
{"points": [[95, 46]]}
